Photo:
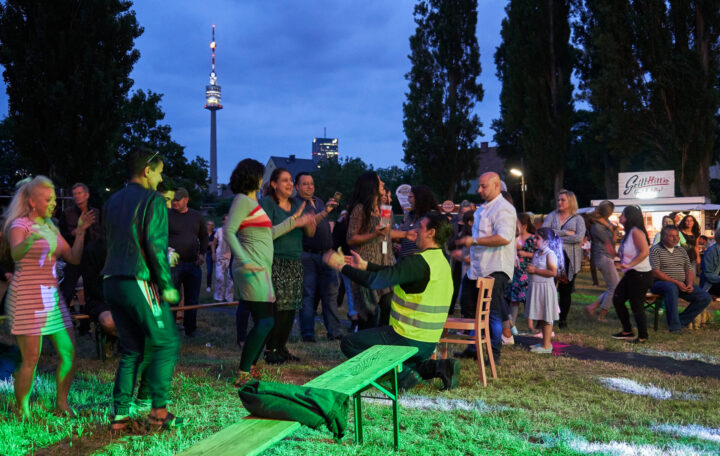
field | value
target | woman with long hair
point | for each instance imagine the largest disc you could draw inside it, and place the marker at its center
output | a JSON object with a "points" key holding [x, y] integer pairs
{"points": [[287, 270], [35, 306], [249, 233], [690, 229], [525, 247], [602, 233], [421, 201], [666, 221], [570, 227], [371, 240], [635, 263]]}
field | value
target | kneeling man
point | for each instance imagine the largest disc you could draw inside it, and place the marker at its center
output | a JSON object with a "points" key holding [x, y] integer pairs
{"points": [[422, 291]]}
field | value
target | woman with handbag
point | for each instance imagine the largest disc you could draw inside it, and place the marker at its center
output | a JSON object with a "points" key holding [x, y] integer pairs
{"points": [[570, 227]]}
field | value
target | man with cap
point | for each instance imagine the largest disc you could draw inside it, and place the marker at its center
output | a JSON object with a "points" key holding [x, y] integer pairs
{"points": [[189, 238]]}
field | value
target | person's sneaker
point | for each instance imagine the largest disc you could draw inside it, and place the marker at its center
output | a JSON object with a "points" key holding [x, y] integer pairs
{"points": [[207, 289], [287, 355], [514, 331], [541, 349], [448, 371], [622, 335], [508, 340], [274, 357]]}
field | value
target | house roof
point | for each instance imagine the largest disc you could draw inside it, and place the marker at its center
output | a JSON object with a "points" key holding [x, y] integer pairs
{"points": [[294, 165]]}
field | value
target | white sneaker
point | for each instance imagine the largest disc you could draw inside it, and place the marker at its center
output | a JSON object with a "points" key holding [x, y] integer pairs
{"points": [[514, 331], [207, 289], [508, 340]]}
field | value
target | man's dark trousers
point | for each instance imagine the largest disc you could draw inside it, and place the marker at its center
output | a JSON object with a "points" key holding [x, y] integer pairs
{"points": [[319, 278], [187, 277]]}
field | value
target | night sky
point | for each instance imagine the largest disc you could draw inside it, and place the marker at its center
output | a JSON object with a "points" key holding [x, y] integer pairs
{"points": [[287, 69]]}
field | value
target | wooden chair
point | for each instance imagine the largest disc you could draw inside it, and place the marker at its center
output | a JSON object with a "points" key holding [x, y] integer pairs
{"points": [[654, 303], [480, 324]]}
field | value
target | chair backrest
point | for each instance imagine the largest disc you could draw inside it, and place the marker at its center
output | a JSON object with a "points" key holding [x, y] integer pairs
{"points": [[485, 286]]}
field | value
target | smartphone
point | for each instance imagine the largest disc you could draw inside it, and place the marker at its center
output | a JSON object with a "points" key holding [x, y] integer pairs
{"points": [[337, 197]]}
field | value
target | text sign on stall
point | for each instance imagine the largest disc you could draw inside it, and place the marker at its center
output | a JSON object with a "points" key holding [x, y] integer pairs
{"points": [[646, 185]]}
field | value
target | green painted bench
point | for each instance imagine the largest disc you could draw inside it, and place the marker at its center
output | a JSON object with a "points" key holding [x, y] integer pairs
{"points": [[252, 436]]}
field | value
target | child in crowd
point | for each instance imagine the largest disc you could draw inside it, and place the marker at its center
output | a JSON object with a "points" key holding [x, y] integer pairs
{"points": [[542, 299]]}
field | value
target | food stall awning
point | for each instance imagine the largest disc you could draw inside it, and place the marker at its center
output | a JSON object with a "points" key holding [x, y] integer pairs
{"points": [[675, 204]]}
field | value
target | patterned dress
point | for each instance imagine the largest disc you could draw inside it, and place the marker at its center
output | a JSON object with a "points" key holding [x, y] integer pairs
{"points": [[35, 306], [518, 290]]}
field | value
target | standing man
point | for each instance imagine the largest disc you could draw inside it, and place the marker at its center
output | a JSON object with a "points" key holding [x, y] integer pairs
{"points": [[674, 276], [136, 275], [189, 238], [318, 277], [492, 254], [68, 225]]}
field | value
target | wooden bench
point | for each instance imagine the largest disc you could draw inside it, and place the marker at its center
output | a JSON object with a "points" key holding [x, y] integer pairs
{"points": [[654, 303], [252, 435]]}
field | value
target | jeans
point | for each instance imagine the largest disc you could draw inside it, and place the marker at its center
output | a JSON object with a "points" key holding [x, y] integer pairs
{"points": [[606, 265], [698, 300], [189, 276], [349, 296], [468, 301], [319, 278]]}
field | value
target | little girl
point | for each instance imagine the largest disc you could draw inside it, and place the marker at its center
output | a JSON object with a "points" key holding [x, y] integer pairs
{"points": [[542, 299]]}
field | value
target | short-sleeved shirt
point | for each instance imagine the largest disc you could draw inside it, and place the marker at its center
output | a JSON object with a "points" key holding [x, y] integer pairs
{"points": [[322, 240], [493, 217], [289, 245], [675, 264]]}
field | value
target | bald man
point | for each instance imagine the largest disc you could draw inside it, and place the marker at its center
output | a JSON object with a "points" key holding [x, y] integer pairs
{"points": [[492, 254]]}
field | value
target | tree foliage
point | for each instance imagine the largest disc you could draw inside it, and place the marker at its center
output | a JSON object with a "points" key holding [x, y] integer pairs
{"points": [[440, 126], [67, 67], [650, 70], [534, 62]]}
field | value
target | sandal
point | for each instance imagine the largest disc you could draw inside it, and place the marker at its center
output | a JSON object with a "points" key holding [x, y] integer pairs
{"points": [[169, 422], [120, 424]]}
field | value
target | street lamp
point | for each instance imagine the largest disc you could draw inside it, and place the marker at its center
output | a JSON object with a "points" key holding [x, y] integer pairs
{"points": [[518, 173]]}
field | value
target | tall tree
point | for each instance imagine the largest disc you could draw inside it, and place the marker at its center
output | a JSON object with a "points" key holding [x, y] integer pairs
{"points": [[612, 82], [679, 49], [67, 65], [440, 126], [534, 62]]}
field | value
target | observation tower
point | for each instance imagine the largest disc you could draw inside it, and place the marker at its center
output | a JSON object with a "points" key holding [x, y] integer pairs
{"points": [[212, 103]]}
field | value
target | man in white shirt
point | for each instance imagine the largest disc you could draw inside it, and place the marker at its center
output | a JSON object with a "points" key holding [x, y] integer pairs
{"points": [[492, 254]]}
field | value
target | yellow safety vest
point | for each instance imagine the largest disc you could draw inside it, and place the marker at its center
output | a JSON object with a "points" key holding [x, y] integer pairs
{"points": [[421, 316]]}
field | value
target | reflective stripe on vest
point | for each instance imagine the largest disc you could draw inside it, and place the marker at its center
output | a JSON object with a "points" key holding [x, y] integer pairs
{"points": [[421, 316]]}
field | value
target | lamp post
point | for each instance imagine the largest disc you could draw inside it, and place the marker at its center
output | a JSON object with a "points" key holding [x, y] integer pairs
{"points": [[518, 173]]}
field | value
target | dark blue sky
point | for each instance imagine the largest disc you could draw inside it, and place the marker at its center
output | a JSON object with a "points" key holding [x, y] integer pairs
{"points": [[288, 69]]}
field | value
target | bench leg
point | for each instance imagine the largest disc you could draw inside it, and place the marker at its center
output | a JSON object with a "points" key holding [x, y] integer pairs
{"points": [[658, 303], [358, 419], [396, 423]]}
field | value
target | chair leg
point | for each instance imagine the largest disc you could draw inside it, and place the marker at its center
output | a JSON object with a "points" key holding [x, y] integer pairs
{"points": [[658, 303], [491, 358], [480, 360]]}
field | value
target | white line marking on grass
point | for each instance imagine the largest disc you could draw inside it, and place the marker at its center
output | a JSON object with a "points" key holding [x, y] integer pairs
{"points": [[625, 385], [693, 430], [628, 449], [683, 356], [439, 403], [42, 384]]}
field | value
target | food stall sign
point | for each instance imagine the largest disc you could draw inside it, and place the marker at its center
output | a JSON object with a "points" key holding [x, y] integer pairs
{"points": [[646, 185]]}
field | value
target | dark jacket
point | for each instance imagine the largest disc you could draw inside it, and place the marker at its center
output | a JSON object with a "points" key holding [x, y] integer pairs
{"points": [[69, 221], [136, 233]]}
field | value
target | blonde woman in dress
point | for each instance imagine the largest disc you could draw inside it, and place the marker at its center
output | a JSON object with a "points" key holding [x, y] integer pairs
{"points": [[35, 306]]}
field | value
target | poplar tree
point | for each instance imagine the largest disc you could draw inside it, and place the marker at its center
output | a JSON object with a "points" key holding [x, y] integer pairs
{"points": [[440, 127], [534, 62]]}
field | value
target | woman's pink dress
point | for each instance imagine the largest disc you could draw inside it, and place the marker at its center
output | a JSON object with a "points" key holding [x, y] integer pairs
{"points": [[35, 305]]}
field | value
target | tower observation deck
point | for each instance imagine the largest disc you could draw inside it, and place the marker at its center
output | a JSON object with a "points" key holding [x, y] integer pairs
{"points": [[212, 103]]}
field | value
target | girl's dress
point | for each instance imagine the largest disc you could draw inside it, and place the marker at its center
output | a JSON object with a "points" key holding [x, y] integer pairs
{"points": [[518, 289], [35, 306], [542, 298]]}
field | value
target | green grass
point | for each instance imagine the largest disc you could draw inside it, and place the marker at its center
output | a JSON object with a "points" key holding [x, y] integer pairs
{"points": [[538, 405]]}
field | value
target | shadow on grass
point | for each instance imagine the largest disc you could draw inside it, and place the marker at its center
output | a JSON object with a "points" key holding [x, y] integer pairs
{"points": [[690, 368]]}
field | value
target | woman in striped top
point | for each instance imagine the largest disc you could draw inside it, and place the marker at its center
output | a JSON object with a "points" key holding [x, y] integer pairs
{"points": [[249, 233], [35, 306]]}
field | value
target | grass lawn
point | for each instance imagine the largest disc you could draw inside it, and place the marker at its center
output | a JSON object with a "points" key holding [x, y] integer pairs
{"points": [[540, 404]]}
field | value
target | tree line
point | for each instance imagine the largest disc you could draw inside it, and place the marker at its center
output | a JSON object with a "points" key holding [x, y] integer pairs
{"points": [[590, 88]]}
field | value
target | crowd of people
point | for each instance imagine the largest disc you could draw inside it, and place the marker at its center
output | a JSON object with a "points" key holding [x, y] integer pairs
{"points": [[280, 257]]}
